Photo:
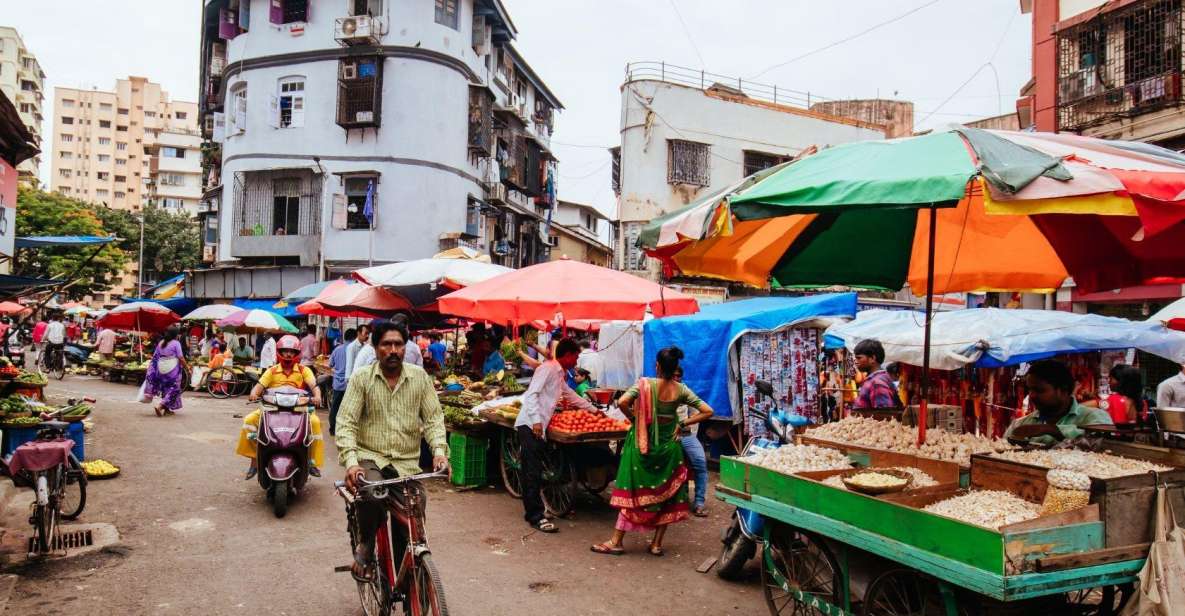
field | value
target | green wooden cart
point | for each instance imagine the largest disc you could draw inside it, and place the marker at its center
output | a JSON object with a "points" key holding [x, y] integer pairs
{"points": [[832, 551]]}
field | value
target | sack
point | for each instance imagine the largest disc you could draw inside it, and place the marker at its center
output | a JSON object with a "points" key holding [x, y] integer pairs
{"points": [[1160, 591], [143, 397]]}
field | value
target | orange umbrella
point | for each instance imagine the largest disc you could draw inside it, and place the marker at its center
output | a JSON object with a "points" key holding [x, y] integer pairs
{"points": [[354, 299], [8, 308]]}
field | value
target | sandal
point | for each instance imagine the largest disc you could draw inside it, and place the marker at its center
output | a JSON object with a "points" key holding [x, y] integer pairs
{"points": [[545, 525], [362, 569], [607, 548], [159, 411], [700, 512], [655, 550]]}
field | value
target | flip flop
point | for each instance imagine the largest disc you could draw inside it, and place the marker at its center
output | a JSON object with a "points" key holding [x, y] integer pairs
{"points": [[545, 525], [700, 512], [159, 412], [655, 550], [606, 548], [367, 567]]}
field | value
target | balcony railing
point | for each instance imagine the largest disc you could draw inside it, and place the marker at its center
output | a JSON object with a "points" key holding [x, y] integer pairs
{"points": [[280, 202], [704, 80]]}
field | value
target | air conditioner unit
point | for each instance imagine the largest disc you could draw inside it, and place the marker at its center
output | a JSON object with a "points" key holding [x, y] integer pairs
{"points": [[349, 70], [512, 100], [207, 253], [497, 194], [522, 113], [357, 30]]}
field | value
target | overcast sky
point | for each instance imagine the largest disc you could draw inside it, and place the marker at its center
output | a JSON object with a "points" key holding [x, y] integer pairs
{"points": [[580, 48]]}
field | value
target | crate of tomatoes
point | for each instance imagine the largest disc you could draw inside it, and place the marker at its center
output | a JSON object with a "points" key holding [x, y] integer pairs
{"points": [[583, 426]]}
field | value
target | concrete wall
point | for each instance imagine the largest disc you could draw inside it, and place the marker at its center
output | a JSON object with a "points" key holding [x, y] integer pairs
{"points": [[1071, 8]]}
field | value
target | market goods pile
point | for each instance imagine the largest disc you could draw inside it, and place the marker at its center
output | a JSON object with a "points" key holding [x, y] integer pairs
{"points": [[586, 421], [99, 468], [798, 458], [988, 508], [7, 370], [892, 435], [459, 416], [921, 479], [1098, 465]]}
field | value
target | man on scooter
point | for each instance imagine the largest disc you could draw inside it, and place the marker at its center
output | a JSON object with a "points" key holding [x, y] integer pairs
{"points": [[286, 373]]}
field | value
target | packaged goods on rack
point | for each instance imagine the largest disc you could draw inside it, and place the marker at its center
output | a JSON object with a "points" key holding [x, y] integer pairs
{"points": [[788, 359]]}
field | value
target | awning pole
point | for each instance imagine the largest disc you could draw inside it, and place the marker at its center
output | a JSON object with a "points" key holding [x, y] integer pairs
{"points": [[923, 410]]}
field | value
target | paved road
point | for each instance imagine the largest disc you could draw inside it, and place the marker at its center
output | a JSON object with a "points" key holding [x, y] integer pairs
{"points": [[197, 539]]}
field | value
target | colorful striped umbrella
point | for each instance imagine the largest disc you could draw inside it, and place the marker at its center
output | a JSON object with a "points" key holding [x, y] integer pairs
{"points": [[354, 299], [139, 317], [256, 321]]}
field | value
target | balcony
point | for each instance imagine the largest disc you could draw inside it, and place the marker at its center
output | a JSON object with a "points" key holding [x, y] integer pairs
{"points": [[277, 214]]}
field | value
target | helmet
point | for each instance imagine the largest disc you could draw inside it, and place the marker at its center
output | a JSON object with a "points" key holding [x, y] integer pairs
{"points": [[288, 343]]}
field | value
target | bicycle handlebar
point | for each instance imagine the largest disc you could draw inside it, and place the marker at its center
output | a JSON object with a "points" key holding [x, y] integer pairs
{"points": [[377, 490]]}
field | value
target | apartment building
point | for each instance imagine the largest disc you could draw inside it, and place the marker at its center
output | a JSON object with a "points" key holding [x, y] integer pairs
{"points": [[575, 233], [422, 109], [127, 147], [686, 133], [23, 82]]}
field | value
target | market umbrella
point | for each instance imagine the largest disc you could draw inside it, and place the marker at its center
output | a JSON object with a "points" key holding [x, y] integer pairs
{"points": [[1171, 316], [256, 321], [356, 299], [211, 312], [11, 308], [462, 252], [421, 281], [561, 290], [303, 294], [139, 316]]}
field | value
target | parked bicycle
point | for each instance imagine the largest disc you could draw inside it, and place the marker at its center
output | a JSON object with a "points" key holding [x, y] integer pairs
{"points": [[224, 383], [47, 465], [411, 578]]}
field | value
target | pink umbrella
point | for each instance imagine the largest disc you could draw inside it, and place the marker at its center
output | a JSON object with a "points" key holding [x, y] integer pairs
{"points": [[139, 317], [352, 300], [11, 308]]}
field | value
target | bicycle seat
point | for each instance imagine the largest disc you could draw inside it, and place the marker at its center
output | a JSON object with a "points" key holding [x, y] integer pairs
{"points": [[52, 427]]}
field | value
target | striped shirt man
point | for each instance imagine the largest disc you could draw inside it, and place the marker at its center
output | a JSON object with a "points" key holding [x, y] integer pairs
{"points": [[383, 424]]}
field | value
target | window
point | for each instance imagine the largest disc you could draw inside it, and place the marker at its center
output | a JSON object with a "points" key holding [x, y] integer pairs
{"points": [[172, 179], [446, 13], [356, 189], [373, 8], [172, 202], [102, 176], [211, 235], [237, 116], [150, 114], [122, 111], [288, 11], [359, 92], [67, 138], [688, 162], [172, 152], [104, 123], [120, 145], [66, 173], [121, 129], [105, 106], [28, 86], [123, 179], [104, 158], [104, 140], [180, 115], [67, 120], [121, 162], [66, 155], [120, 194], [102, 192], [26, 108], [286, 206], [756, 161], [291, 102], [67, 103]]}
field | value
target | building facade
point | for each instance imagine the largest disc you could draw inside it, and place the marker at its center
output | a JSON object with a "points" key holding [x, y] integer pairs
{"points": [[370, 131], [23, 82], [686, 133], [127, 147], [576, 232]]}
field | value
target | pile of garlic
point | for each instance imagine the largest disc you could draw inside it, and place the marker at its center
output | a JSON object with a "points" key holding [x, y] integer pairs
{"points": [[988, 508], [791, 459], [921, 479], [1098, 465], [873, 479], [892, 435]]}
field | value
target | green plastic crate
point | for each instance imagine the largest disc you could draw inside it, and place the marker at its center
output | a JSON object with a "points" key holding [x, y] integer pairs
{"points": [[467, 456]]}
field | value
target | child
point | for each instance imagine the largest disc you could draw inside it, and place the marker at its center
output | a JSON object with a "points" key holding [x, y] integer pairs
{"points": [[583, 382]]}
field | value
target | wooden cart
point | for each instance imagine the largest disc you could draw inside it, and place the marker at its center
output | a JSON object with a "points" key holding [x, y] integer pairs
{"points": [[563, 469], [828, 551]]}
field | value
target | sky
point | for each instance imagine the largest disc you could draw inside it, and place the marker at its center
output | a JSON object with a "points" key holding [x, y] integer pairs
{"points": [[957, 60]]}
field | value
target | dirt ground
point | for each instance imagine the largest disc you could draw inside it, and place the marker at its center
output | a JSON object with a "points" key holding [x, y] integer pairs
{"points": [[198, 539]]}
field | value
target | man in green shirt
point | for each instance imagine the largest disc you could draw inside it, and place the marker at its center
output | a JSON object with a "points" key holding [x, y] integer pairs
{"points": [[388, 407], [1058, 415]]}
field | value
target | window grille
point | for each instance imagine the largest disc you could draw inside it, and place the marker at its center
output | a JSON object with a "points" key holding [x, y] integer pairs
{"points": [[446, 13], [266, 202], [615, 174], [758, 161], [359, 92], [689, 162]]}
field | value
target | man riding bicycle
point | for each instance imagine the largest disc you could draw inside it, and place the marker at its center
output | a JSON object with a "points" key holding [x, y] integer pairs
{"points": [[388, 406], [55, 340], [286, 373]]}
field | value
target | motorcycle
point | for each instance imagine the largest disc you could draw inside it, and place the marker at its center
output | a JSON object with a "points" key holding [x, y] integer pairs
{"points": [[741, 537], [282, 446]]}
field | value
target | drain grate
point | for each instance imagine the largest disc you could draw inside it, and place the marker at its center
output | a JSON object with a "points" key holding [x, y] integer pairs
{"points": [[66, 541]]}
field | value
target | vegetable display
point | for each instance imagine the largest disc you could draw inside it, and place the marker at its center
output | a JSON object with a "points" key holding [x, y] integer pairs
{"points": [[23, 421], [99, 468], [892, 435], [921, 479], [31, 378], [586, 421], [458, 416]]}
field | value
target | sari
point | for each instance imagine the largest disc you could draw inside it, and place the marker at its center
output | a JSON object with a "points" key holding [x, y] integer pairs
{"points": [[651, 489], [164, 375]]}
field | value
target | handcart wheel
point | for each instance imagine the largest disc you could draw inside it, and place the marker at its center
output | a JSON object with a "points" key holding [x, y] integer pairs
{"points": [[905, 592], [596, 479], [220, 383], [803, 562], [557, 483], [1100, 601], [512, 463]]}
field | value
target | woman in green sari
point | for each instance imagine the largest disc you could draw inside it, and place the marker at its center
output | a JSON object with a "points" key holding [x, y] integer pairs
{"points": [[651, 491]]}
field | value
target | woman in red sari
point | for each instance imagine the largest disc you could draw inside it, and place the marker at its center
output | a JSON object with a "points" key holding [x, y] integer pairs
{"points": [[651, 490]]}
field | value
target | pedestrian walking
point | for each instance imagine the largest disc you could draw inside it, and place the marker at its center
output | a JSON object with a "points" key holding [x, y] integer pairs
{"points": [[164, 373], [337, 361]]}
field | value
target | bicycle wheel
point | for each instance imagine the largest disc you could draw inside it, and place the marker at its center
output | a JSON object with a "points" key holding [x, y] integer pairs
{"points": [[426, 596], [74, 490], [512, 464], [220, 383], [45, 517], [375, 595], [556, 491]]}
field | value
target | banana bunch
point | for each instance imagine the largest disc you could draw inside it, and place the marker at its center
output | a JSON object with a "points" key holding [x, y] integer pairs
{"points": [[99, 468]]}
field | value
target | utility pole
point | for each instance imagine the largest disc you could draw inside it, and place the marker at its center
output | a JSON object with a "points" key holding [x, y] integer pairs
{"points": [[140, 261]]}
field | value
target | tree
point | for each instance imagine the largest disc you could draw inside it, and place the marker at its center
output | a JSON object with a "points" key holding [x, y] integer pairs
{"points": [[172, 243], [43, 213]]}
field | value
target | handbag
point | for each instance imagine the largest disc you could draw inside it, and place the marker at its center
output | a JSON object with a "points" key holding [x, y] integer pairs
{"points": [[1160, 591]]}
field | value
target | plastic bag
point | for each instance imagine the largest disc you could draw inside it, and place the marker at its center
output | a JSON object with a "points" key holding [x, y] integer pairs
{"points": [[1160, 592], [142, 397]]}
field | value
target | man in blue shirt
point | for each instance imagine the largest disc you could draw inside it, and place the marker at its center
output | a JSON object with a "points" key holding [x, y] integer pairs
{"points": [[337, 361], [437, 349]]}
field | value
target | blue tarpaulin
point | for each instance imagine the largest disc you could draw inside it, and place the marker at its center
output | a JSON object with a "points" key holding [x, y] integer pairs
{"points": [[269, 305], [180, 305], [46, 241], [707, 337], [994, 337]]}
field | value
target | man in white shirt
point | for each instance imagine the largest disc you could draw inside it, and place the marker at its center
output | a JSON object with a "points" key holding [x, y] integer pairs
{"points": [[267, 356], [355, 347], [590, 360], [366, 356], [548, 386], [1171, 391]]}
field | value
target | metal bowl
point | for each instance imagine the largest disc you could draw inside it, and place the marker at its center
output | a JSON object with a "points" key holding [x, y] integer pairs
{"points": [[849, 476], [1171, 419]]}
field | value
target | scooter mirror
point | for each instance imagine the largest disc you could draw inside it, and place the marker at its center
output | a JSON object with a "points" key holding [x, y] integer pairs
{"points": [[765, 388]]}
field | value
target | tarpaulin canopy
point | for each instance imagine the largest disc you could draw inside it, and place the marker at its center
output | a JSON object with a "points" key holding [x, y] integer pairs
{"points": [[46, 241], [180, 305], [707, 337], [422, 281], [287, 312], [992, 337]]}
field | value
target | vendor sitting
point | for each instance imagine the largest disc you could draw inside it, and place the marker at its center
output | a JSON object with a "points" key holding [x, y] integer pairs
{"points": [[286, 373], [1058, 415]]}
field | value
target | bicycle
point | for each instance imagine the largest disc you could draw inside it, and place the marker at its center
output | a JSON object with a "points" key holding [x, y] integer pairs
{"points": [[225, 383], [60, 489], [414, 581], [53, 361]]}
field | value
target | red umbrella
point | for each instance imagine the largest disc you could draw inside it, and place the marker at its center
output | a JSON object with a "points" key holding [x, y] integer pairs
{"points": [[11, 308], [344, 299], [139, 317], [565, 290]]}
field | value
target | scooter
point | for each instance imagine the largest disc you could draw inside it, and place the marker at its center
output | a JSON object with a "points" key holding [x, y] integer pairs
{"points": [[740, 538], [282, 446]]}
